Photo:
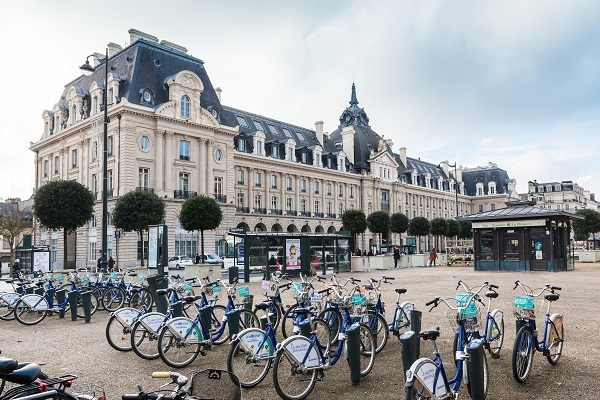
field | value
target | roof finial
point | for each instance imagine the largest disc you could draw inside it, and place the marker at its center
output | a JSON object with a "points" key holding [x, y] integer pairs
{"points": [[353, 100]]}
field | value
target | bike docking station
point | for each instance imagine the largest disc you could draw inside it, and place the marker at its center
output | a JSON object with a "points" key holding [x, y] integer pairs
{"points": [[233, 322], [411, 343], [353, 352], [475, 366], [158, 258], [61, 296]]}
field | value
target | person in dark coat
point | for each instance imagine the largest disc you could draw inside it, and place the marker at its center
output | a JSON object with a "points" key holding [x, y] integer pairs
{"points": [[16, 268], [111, 263], [396, 256]]}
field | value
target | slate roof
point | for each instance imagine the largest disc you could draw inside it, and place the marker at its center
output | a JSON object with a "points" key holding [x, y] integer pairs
{"points": [[472, 176], [518, 210]]}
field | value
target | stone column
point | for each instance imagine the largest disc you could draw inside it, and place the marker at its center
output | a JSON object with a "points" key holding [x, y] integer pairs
{"points": [[168, 162], [210, 179], [202, 166], [297, 199], [159, 163]]}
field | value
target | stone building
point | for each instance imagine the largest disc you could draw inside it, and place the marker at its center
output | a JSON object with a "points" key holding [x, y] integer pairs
{"points": [[560, 196], [170, 133]]}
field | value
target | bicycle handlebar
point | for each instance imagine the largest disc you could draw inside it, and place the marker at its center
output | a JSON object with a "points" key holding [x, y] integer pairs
{"points": [[531, 292], [161, 375]]}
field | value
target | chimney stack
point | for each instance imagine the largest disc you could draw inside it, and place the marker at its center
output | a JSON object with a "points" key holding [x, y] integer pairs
{"points": [[348, 133], [403, 156], [113, 49], [218, 90], [319, 131], [134, 35]]}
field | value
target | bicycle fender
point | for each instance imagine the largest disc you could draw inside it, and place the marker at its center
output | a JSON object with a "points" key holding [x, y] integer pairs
{"points": [[423, 373], [298, 347]]}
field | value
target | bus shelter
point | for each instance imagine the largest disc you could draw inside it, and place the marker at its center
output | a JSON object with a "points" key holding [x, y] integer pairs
{"points": [[291, 252], [522, 237]]}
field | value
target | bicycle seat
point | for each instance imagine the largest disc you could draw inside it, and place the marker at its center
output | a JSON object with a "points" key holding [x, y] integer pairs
{"points": [[162, 292], [368, 287], [25, 375], [430, 334], [302, 310], [9, 280], [491, 294], [401, 290], [7, 365], [552, 296], [263, 305], [191, 299]]}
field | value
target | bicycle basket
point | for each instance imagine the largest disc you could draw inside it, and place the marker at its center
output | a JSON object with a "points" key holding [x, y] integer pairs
{"points": [[216, 384], [524, 307]]}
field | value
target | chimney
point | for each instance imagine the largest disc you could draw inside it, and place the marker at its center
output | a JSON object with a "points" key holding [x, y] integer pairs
{"points": [[348, 133], [134, 35], [319, 131], [174, 46], [113, 49], [459, 172], [403, 156], [97, 56], [444, 165], [218, 90]]}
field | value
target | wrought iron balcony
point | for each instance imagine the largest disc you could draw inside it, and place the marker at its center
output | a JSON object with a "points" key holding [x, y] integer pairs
{"points": [[330, 215], [243, 210], [292, 213], [318, 215], [275, 211], [260, 210], [221, 198], [183, 194], [305, 213], [145, 189]]}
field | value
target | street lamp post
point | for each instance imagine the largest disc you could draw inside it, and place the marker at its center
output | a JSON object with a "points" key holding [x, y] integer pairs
{"points": [[88, 68], [455, 185]]}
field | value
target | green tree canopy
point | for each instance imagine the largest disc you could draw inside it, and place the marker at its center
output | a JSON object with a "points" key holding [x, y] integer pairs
{"points": [[466, 230], [63, 204], [136, 210], [379, 222], [439, 227], [419, 226], [354, 221], [399, 224], [200, 213], [588, 226], [453, 228]]}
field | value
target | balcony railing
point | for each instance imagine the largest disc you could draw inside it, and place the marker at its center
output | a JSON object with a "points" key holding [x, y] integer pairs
{"points": [[305, 213], [221, 198], [183, 194], [330, 215], [243, 210], [291, 212], [260, 210], [145, 189], [276, 211], [385, 207], [109, 193], [289, 188], [318, 215]]}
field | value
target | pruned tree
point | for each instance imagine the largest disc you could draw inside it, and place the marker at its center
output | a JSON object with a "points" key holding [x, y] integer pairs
{"points": [[354, 221], [419, 226], [63, 204], [200, 213], [583, 228], [439, 227], [466, 230], [13, 224], [399, 224], [379, 222], [453, 228], [136, 210]]}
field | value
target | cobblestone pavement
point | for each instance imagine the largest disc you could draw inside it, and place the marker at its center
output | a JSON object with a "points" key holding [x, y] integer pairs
{"points": [[79, 348]]}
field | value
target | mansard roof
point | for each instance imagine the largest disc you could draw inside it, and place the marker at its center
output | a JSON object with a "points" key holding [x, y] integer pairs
{"points": [[472, 176]]}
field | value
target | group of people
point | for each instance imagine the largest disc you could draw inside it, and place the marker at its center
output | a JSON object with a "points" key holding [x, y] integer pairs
{"points": [[111, 264]]}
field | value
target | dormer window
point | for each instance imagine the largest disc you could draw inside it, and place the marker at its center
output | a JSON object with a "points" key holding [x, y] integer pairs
{"points": [[241, 145], [479, 189], [304, 158], [185, 107], [290, 154], [492, 187], [275, 150], [258, 147]]}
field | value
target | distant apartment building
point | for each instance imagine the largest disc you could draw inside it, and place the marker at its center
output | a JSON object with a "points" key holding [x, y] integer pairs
{"points": [[560, 196]]}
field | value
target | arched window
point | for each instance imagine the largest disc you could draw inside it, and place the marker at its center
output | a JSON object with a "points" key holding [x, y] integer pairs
{"points": [[185, 107]]}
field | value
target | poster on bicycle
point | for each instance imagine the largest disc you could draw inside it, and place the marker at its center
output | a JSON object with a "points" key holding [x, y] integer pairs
{"points": [[292, 253]]}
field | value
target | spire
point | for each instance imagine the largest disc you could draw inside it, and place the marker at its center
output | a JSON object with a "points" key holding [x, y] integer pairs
{"points": [[353, 100]]}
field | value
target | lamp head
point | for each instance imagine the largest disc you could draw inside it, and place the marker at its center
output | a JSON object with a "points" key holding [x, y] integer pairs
{"points": [[87, 68]]}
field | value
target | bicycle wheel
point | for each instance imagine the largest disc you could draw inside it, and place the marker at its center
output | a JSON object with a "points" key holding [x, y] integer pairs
{"points": [[31, 309], [248, 362], [179, 342], [323, 332], [98, 291], [141, 299], [274, 313], [421, 384], [7, 306], [144, 336], [379, 326], [495, 334], [367, 349], [292, 381], [522, 356], [218, 324], [113, 299], [93, 305], [555, 341], [485, 377], [333, 317], [248, 320], [118, 334], [287, 322]]}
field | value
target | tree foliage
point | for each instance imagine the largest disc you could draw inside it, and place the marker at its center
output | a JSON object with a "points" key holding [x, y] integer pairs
{"points": [[63, 204], [439, 227], [453, 228], [466, 230], [200, 213], [588, 226], [398, 223], [419, 226], [13, 224], [379, 222], [354, 221], [136, 210]]}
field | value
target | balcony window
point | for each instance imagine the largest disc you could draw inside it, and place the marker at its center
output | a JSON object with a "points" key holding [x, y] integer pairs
{"points": [[303, 185], [274, 203], [185, 107], [240, 200], [45, 168], [240, 177], [184, 150], [74, 158], [289, 204], [144, 177], [56, 164], [289, 183], [184, 181], [257, 201], [218, 186], [109, 146], [274, 181], [257, 179], [94, 150]]}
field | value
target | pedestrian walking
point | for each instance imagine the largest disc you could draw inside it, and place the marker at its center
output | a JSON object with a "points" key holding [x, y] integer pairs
{"points": [[111, 263], [396, 256], [432, 257]]}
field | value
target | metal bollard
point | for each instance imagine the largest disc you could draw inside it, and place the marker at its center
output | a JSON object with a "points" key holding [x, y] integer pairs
{"points": [[233, 321], [155, 282], [249, 302], [73, 305], [177, 308], [409, 349], [415, 326], [475, 369], [353, 352], [39, 291], [206, 316], [61, 296], [86, 303], [305, 328]]}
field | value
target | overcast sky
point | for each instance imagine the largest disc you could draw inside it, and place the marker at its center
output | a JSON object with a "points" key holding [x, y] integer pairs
{"points": [[516, 83]]}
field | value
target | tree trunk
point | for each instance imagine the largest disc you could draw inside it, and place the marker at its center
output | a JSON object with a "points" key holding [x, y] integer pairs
{"points": [[142, 245], [202, 247], [65, 253]]}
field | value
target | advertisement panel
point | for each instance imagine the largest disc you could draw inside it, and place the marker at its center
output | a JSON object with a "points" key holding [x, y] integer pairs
{"points": [[292, 247]]}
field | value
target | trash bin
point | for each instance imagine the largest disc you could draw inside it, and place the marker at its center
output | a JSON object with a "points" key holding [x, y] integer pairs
{"points": [[234, 273]]}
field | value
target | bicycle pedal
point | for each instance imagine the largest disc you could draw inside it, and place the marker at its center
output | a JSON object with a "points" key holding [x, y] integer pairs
{"points": [[202, 352], [333, 353], [320, 375]]}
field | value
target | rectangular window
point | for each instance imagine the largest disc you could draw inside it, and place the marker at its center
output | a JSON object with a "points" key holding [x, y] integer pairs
{"points": [[290, 153], [184, 150], [304, 158], [241, 145], [486, 247], [240, 200], [303, 205], [240, 177], [109, 176], [481, 208], [218, 185], [258, 147], [74, 158], [184, 182], [144, 180], [275, 151], [257, 179], [317, 206], [340, 208], [94, 187], [303, 185], [92, 252], [289, 183], [511, 246], [317, 187], [94, 150], [109, 146], [329, 208], [56, 164], [258, 201], [341, 190], [274, 181], [45, 168], [289, 204], [328, 189], [351, 192], [493, 207], [274, 203]]}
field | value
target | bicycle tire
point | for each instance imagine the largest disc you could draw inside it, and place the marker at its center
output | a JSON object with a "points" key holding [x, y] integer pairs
{"points": [[144, 340], [176, 351], [27, 315], [118, 335], [485, 377], [288, 372], [276, 319], [496, 344], [93, 305], [113, 299], [98, 291], [248, 320], [217, 323], [140, 299], [287, 322], [522, 356], [381, 330], [368, 348], [555, 350], [334, 319], [7, 306], [246, 361]]}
